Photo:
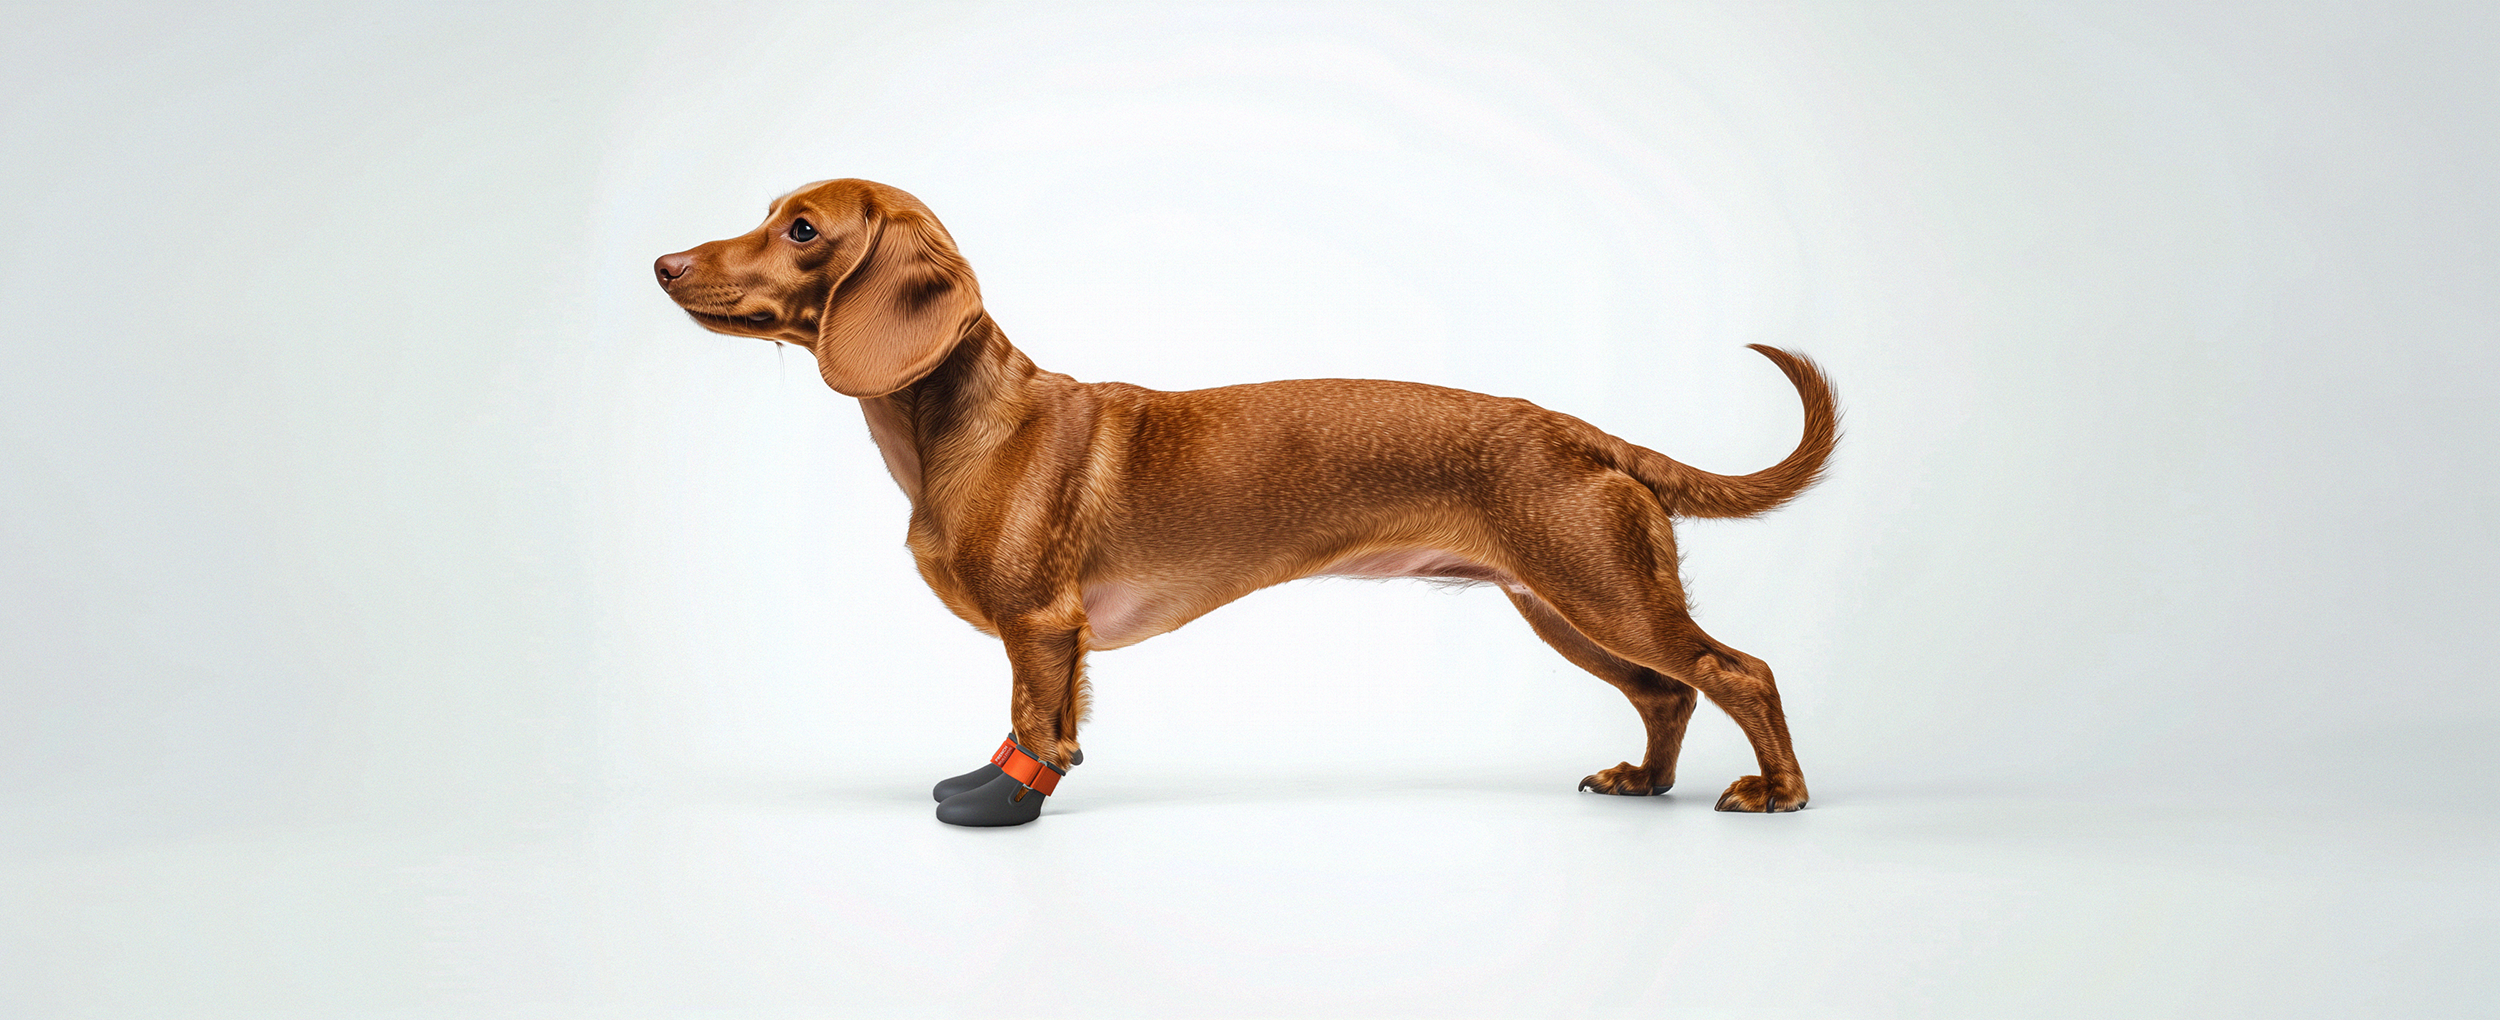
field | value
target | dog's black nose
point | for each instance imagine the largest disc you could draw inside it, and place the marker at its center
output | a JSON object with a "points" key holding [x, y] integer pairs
{"points": [[670, 267]]}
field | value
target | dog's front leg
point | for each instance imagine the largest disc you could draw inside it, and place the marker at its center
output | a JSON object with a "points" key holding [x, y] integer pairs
{"points": [[1046, 647], [1047, 650]]}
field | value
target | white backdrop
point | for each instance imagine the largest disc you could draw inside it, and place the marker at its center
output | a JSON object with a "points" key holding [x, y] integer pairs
{"points": [[381, 550]]}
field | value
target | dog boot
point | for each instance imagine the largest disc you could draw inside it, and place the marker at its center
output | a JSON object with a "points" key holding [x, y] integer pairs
{"points": [[1001, 801], [1013, 797], [974, 779]]}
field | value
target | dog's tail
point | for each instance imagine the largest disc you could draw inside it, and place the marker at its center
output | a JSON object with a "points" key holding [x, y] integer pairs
{"points": [[1689, 491]]}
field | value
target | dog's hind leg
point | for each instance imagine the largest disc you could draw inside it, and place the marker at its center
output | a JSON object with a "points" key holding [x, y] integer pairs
{"points": [[1609, 570], [1740, 684], [1665, 703]]}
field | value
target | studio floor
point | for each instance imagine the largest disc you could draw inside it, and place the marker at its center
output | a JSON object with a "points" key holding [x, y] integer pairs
{"points": [[1493, 895]]}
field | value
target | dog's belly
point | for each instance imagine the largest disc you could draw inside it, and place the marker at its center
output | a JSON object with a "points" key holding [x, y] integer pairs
{"points": [[1436, 563], [1122, 612]]}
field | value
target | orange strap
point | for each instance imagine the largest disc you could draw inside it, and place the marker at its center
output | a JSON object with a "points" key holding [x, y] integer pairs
{"points": [[1036, 775]]}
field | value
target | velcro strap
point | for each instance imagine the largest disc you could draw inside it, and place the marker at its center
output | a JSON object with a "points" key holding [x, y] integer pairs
{"points": [[1020, 765]]}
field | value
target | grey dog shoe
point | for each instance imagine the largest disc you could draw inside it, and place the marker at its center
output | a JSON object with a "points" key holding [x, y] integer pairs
{"points": [[972, 780], [993, 803], [993, 795]]}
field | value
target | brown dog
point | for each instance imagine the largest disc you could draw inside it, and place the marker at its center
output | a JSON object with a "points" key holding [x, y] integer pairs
{"points": [[1065, 517]]}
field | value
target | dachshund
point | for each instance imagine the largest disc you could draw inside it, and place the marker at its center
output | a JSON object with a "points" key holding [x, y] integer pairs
{"points": [[1065, 517]]}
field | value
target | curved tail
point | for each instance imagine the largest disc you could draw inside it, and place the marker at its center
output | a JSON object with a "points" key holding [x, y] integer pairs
{"points": [[1689, 491]]}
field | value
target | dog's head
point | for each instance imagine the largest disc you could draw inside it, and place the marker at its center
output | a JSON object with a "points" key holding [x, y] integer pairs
{"points": [[860, 273]]}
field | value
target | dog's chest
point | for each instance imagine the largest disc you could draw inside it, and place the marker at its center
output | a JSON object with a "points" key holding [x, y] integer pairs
{"points": [[894, 443], [938, 572]]}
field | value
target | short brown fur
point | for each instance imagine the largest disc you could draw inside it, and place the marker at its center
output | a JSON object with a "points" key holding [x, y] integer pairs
{"points": [[1064, 517]]}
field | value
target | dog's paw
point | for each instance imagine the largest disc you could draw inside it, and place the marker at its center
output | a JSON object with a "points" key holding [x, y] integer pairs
{"points": [[1624, 780], [1751, 794]]}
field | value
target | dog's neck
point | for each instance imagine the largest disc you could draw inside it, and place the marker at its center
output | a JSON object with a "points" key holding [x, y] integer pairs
{"points": [[956, 414]]}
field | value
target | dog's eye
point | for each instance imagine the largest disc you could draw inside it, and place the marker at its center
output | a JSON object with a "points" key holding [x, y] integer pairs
{"points": [[801, 231]]}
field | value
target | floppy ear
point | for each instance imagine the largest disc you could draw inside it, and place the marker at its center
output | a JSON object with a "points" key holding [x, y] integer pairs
{"points": [[899, 311]]}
